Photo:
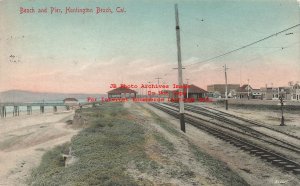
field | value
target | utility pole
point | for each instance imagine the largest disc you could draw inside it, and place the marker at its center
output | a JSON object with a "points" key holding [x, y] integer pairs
{"points": [[248, 90], [226, 88], [181, 103], [158, 78], [187, 88], [281, 104], [147, 95]]}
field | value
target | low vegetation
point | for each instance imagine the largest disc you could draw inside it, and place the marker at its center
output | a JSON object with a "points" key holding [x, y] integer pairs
{"points": [[103, 150], [215, 167], [116, 149]]}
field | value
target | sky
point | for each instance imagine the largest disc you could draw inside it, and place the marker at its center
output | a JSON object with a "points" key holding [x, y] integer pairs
{"points": [[72, 53]]}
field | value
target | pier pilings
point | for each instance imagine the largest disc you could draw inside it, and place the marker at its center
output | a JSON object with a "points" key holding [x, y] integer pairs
{"points": [[3, 112]]}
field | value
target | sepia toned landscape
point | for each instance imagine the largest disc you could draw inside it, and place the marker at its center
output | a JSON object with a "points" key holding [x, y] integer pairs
{"points": [[144, 92]]}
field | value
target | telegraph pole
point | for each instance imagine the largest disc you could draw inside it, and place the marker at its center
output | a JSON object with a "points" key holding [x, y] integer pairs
{"points": [[158, 78], [187, 88], [248, 90], [281, 104], [181, 103], [147, 95], [226, 89]]}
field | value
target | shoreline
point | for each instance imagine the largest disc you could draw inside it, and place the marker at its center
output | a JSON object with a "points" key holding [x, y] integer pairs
{"points": [[24, 139]]}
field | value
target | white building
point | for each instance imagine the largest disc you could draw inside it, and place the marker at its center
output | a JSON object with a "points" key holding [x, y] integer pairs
{"points": [[295, 92]]}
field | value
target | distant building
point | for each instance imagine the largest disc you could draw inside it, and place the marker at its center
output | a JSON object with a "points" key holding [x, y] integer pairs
{"points": [[166, 94], [192, 92], [295, 92], [122, 92], [245, 91], [257, 94], [70, 101], [219, 89], [270, 93], [273, 93], [267, 93], [285, 92]]}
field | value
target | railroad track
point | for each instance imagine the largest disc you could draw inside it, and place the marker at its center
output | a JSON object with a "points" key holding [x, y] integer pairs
{"points": [[249, 121], [243, 128], [246, 145]]}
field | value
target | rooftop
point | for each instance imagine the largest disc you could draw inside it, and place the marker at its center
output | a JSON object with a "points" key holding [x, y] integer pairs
{"points": [[121, 90]]}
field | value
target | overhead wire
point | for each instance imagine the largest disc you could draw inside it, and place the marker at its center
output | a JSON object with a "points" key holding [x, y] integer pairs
{"points": [[245, 46]]}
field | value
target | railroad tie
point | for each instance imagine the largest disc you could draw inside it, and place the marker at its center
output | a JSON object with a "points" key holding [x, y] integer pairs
{"points": [[276, 161], [282, 163], [246, 148], [289, 167], [271, 158], [265, 156], [253, 151], [296, 171], [259, 153], [238, 144]]}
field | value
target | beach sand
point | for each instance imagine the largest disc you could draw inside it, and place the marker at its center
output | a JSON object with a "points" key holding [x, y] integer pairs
{"points": [[24, 140]]}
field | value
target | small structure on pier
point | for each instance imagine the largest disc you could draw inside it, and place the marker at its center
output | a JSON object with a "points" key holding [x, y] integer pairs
{"points": [[70, 101], [122, 92]]}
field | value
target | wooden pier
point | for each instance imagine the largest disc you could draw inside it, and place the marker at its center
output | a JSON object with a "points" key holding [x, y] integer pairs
{"points": [[16, 107]]}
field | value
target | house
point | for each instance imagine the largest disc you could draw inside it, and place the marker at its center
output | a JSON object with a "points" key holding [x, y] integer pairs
{"points": [[122, 92], [285, 92], [219, 89], [70, 101], [244, 91], [257, 94], [273, 93], [295, 92], [267, 93]]}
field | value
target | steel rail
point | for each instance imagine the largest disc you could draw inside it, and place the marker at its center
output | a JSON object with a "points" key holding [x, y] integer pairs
{"points": [[273, 157]]}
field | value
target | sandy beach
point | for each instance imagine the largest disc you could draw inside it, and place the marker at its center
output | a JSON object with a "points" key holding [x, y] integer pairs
{"points": [[24, 139]]}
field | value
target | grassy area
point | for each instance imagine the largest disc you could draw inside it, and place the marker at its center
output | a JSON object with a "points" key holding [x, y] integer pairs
{"points": [[103, 150], [164, 142], [215, 167], [164, 123], [117, 148]]}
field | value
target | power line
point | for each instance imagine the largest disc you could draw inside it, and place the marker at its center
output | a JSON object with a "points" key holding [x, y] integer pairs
{"points": [[256, 58], [281, 48], [245, 46]]}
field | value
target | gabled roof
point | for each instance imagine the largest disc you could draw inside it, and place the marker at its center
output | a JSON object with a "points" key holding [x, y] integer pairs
{"points": [[256, 89], [194, 89], [296, 86], [244, 88], [121, 90], [70, 99]]}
